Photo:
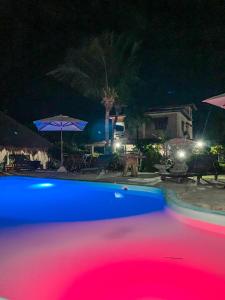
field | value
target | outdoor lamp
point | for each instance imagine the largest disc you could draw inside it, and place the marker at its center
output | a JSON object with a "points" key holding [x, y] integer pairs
{"points": [[200, 144], [118, 145], [181, 154]]}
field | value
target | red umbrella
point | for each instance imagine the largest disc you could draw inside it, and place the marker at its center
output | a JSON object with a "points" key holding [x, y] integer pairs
{"points": [[217, 101]]}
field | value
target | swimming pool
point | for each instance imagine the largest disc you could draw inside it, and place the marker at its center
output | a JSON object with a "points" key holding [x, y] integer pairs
{"points": [[33, 200], [64, 240]]}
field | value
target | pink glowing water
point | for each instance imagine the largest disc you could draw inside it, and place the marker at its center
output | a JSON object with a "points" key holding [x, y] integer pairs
{"points": [[151, 256]]}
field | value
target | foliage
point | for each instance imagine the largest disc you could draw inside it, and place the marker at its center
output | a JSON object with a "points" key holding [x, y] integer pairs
{"points": [[116, 164], [217, 149], [68, 148], [104, 67], [152, 156], [135, 118], [222, 166]]}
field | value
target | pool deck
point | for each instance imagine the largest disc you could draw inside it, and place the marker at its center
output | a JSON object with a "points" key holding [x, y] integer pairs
{"points": [[202, 197]]}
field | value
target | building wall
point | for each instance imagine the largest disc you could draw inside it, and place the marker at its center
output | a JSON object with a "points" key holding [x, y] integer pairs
{"points": [[187, 126], [174, 128], [171, 130]]}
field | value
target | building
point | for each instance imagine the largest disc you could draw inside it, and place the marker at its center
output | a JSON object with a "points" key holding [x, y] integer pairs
{"points": [[159, 123], [16, 138], [169, 122]]}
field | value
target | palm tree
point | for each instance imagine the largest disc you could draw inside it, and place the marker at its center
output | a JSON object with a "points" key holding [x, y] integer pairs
{"points": [[135, 118], [104, 68]]}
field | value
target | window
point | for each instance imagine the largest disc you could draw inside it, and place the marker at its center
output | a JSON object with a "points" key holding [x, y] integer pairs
{"points": [[119, 128], [161, 123]]}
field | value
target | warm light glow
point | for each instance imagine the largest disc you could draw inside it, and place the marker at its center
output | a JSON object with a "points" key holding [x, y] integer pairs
{"points": [[181, 154], [200, 144], [117, 145]]}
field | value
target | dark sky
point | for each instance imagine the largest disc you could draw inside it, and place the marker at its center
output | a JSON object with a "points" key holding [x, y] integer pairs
{"points": [[183, 43]]}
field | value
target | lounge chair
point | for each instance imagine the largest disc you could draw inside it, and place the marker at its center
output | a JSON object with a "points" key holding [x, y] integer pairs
{"points": [[201, 165], [20, 162], [205, 165]]}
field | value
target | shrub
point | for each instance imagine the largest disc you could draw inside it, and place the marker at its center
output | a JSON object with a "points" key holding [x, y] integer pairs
{"points": [[152, 157], [116, 163]]}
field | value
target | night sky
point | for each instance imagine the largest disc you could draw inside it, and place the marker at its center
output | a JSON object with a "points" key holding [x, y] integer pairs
{"points": [[182, 55]]}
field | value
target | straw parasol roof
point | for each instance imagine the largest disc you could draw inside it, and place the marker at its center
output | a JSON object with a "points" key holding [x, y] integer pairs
{"points": [[179, 142], [14, 135]]}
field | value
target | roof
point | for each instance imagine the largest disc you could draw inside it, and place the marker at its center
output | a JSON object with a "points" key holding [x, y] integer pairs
{"points": [[15, 135], [172, 108], [179, 141]]}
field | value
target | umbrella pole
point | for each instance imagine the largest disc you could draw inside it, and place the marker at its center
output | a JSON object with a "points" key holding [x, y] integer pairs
{"points": [[62, 168], [61, 148]]}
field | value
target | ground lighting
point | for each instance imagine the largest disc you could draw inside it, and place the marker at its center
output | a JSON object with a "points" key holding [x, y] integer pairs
{"points": [[181, 154], [200, 144]]}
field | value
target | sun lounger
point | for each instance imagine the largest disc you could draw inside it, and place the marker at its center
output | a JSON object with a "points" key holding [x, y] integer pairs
{"points": [[202, 165]]}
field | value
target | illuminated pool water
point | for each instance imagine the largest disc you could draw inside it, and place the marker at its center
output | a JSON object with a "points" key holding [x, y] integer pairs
{"points": [[65, 240], [33, 200]]}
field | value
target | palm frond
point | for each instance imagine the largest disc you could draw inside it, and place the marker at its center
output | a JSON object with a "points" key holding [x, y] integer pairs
{"points": [[105, 64]]}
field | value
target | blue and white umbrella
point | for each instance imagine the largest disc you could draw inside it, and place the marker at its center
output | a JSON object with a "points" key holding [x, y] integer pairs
{"points": [[60, 123]]}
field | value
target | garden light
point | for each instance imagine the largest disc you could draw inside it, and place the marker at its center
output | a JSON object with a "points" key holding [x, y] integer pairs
{"points": [[181, 154], [200, 144], [118, 145]]}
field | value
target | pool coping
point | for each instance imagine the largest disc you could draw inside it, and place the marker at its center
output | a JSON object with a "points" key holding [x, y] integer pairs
{"points": [[176, 204]]}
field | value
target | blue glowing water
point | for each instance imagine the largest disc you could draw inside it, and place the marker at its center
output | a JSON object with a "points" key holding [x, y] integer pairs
{"points": [[35, 200]]}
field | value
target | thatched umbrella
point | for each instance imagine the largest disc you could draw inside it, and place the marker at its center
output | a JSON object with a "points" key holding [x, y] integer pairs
{"points": [[16, 138]]}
